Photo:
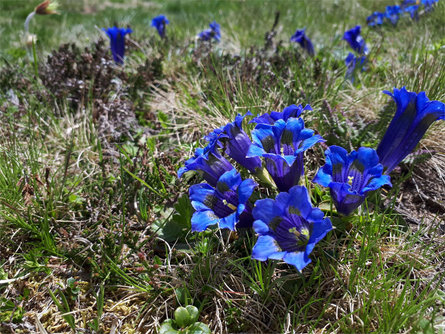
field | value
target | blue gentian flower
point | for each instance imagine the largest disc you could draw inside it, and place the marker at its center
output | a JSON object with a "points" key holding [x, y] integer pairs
{"points": [[223, 204], [209, 164], [406, 3], [428, 4], [288, 227], [414, 115], [301, 38], [288, 112], [393, 13], [355, 40], [413, 11], [213, 32], [159, 22], [117, 42], [351, 176], [351, 62], [375, 19], [282, 145], [237, 144]]}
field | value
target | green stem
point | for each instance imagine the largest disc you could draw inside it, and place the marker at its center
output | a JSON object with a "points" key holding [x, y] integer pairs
{"points": [[34, 55]]}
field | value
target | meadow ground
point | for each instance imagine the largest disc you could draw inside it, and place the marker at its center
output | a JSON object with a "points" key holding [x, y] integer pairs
{"points": [[95, 225]]}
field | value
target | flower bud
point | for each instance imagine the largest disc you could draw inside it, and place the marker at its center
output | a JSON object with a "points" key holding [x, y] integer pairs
{"points": [[47, 7]]}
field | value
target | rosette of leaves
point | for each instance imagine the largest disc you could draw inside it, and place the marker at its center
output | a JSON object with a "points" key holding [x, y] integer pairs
{"points": [[184, 321]]}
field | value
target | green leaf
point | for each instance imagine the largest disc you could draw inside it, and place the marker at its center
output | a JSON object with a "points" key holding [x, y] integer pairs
{"points": [[194, 313], [167, 327], [198, 328], [179, 224], [182, 317]]}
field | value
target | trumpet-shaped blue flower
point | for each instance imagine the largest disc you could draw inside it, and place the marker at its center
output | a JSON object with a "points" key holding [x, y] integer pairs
{"points": [[288, 227], [301, 38], [159, 22], [292, 111], [351, 62], [375, 19], [226, 204], [413, 11], [414, 115], [282, 145], [355, 40], [238, 143], [351, 176], [117, 42], [214, 32], [209, 164], [392, 13]]}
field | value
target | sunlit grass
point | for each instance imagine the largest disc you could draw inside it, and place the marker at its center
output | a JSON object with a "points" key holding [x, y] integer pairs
{"points": [[88, 187]]}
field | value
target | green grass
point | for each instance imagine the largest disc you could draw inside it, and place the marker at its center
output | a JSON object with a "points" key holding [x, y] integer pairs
{"points": [[95, 225]]}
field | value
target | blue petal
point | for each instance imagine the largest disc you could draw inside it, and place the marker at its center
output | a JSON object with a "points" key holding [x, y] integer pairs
{"points": [[266, 247], [245, 190], [336, 162], [229, 180], [297, 259], [376, 183], [198, 195], [181, 171], [294, 111], [255, 151], [203, 219], [264, 210], [260, 227], [299, 199], [238, 144], [308, 143], [367, 157], [322, 178], [319, 231], [228, 222], [264, 137], [263, 119], [289, 159]]}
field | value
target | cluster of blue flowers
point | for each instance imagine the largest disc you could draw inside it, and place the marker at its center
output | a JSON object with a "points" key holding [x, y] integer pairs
{"points": [[393, 13], [117, 36], [352, 36], [288, 226], [357, 43]]}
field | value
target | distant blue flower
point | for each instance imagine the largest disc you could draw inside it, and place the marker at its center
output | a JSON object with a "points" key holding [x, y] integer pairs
{"points": [[414, 115], [223, 204], [237, 144], [355, 40], [282, 145], [393, 13], [351, 176], [213, 32], [301, 38], [428, 4], [210, 164], [406, 3], [375, 19], [351, 62], [288, 228], [288, 112], [159, 22], [413, 11], [117, 42]]}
